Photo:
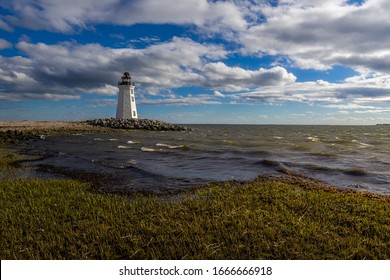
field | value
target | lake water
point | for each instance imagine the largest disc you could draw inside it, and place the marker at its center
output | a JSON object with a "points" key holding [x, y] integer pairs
{"points": [[344, 156]]}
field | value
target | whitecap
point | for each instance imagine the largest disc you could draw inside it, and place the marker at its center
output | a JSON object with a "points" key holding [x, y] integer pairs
{"points": [[364, 145], [114, 139], [98, 139], [313, 138], [146, 149], [132, 142], [123, 147], [169, 146]]}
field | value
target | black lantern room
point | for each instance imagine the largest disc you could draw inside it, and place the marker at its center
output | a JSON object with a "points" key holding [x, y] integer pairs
{"points": [[126, 79]]}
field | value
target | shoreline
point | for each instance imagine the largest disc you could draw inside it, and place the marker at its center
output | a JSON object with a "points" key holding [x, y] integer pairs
{"points": [[48, 126], [13, 132]]}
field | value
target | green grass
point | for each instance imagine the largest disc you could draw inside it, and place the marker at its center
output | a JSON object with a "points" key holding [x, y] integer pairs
{"points": [[263, 219], [7, 158]]}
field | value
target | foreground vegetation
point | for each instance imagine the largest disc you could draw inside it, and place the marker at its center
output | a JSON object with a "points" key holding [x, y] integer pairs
{"points": [[263, 219]]}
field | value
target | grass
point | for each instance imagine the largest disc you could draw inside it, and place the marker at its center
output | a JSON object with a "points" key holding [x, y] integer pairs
{"points": [[262, 219]]}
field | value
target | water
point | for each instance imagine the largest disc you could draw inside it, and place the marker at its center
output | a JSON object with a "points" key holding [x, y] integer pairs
{"points": [[344, 156]]}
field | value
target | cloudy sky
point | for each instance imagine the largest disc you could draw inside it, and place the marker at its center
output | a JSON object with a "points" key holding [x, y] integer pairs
{"points": [[197, 61]]}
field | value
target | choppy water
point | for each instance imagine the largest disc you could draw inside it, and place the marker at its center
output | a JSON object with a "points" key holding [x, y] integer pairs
{"points": [[344, 156]]}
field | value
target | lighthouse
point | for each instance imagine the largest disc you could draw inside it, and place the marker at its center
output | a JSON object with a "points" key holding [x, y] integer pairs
{"points": [[126, 108]]}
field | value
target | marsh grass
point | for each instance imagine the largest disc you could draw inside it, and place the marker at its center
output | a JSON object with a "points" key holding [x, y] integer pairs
{"points": [[262, 219], [7, 159]]}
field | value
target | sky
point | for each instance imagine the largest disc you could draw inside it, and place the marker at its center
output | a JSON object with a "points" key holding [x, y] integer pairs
{"points": [[197, 61]]}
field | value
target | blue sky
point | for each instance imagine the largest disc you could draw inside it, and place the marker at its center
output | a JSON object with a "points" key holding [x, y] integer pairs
{"points": [[197, 61]]}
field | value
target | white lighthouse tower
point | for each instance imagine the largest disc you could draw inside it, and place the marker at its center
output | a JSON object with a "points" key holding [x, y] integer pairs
{"points": [[126, 108]]}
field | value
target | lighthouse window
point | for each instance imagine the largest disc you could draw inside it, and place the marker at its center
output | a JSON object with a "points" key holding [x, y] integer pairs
{"points": [[134, 113], [132, 98]]}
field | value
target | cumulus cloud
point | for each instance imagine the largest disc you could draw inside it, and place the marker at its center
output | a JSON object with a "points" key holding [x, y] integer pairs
{"points": [[312, 34], [72, 69], [354, 91], [235, 78], [68, 16], [218, 93], [321, 34]]}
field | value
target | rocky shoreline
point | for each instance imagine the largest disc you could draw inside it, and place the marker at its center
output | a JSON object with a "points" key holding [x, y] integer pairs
{"points": [[145, 124], [12, 132]]}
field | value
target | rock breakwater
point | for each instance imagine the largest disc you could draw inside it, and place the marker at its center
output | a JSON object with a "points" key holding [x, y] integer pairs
{"points": [[145, 124]]}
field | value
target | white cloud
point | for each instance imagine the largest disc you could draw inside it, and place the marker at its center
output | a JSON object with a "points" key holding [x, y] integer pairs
{"points": [[107, 90], [321, 34], [178, 100], [99, 103], [228, 78], [4, 44], [66, 16], [313, 34], [354, 91], [310, 33], [218, 93], [72, 69], [348, 106], [377, 111]]}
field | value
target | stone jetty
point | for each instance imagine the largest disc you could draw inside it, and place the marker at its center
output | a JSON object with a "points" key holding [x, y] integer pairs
{"points": [[136, 124]]}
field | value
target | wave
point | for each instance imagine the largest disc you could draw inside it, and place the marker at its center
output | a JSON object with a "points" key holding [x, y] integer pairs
{"points": [[364, 145], [271, 163], [313, 138], [172, 146], [355, 172], [319, 168], [323, 155], [146, 149]]}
